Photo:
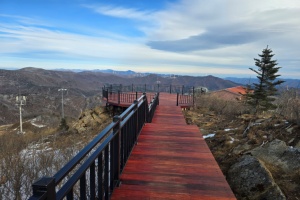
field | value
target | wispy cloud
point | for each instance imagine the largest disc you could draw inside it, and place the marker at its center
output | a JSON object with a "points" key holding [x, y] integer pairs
{"points": [[189, 37], [201, 25], [119, 12], [25, 20]]}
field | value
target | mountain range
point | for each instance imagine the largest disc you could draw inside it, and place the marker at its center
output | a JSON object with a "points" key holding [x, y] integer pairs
{"points": [[289, 83], [84, 89]]}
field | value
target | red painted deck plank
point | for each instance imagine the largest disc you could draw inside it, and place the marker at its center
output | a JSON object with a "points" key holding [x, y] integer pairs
{"points": [[171, 161]]}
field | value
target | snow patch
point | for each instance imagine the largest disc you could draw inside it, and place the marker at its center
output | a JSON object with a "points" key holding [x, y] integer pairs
{"points": [[33, 122], [229, 129], [209, 135]]}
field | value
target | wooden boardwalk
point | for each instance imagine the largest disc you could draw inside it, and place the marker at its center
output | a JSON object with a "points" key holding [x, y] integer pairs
{"points": [[171, 161]]}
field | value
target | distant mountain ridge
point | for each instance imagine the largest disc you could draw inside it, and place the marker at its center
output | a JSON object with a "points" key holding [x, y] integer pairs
{"points": [[293, 83], [84, 89]]}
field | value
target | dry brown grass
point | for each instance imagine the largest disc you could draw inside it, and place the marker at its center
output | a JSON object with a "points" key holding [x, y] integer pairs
{"points": [[39, 152]]}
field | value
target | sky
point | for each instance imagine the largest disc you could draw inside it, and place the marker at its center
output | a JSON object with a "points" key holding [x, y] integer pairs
{"points": [[186, 37]]}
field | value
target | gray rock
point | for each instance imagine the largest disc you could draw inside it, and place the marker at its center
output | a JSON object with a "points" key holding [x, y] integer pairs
{"points": [[259, 121], [249, 179], [277, 153], [290, 130], [241, 148], [298, 145]]}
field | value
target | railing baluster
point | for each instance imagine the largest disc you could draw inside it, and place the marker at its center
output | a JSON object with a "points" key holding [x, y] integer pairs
{"points": [[111, 166], [116, 153], [70, 195], [92, 182], [83, 187], [106, 171], [100, 177]]}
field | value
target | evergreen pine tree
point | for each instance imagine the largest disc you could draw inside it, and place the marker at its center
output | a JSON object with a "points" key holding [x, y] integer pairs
{"points": [[63, 125], [263, 92]]}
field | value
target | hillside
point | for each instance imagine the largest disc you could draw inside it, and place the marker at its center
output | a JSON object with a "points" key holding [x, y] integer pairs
{"points": [[83, 90]]}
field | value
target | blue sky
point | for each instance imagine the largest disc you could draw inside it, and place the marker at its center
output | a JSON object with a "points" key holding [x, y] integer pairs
{"points": [[192, 37]]}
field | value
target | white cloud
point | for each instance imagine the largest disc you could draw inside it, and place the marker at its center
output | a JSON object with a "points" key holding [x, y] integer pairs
{"points": [[271, 22], [232, 32], [119, 12]]}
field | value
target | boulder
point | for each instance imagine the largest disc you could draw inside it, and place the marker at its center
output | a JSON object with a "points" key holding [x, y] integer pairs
{"points": [[298, 145], [278, 154], [90, 120], [241, 148], [250, 179]]}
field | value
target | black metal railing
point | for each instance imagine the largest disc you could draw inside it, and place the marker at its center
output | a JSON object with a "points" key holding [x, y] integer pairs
{"points": [[95, 171], [120, 95], [123, 97], [185, 100], [114, 88]]}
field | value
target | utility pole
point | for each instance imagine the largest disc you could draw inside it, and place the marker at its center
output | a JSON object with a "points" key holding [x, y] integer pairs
{"points": [[62, 102], [21, 100]]}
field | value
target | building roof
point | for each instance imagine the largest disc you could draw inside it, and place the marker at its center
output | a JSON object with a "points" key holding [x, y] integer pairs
{"points": [[237, 90]]}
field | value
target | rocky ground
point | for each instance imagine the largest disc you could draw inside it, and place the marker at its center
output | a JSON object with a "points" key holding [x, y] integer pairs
{"points": [[259, 155]]}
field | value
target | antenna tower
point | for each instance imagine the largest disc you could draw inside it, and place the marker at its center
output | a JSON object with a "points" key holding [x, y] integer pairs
{"points": [[21, 100], [62, 102]]}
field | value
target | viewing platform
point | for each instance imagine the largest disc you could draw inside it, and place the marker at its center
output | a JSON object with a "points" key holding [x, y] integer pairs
{"points": [[147, 152], [123, 96], [171, 161]]}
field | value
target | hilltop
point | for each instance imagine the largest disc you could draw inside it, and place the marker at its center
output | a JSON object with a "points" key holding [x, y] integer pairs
{"points": [[84, 89]]}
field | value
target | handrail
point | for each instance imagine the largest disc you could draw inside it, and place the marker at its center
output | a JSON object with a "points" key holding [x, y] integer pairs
{"points": [[98, 166], [117, 95], [114, 88], [185, 100]]}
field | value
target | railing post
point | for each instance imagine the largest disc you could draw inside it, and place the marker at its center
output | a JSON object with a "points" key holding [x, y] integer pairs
{"points": [[136, 104], [44, 187], [193, 95], [177, 99], [145, 108], [157, 87], [117, 151], [119, 95]]}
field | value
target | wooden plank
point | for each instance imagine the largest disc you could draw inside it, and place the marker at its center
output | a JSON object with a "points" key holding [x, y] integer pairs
{"points": [[171, 161]]}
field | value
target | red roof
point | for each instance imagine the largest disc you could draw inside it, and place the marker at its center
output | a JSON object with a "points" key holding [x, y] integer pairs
{"points": [[237, 90]]}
